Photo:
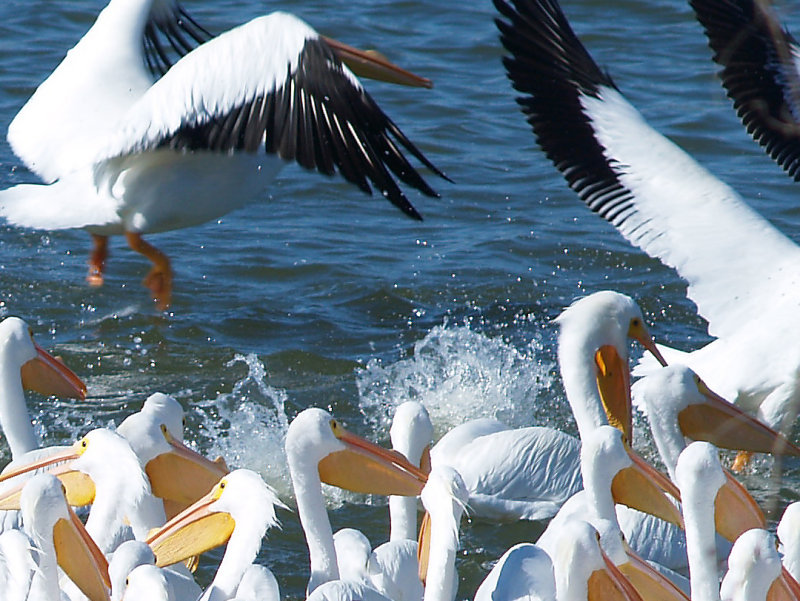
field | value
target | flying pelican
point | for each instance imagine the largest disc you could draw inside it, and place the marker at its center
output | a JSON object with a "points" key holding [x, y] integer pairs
{"points": [[26, 365], [128, 143], [529, 472], [319, 449], [742, 272], [56, 538], [613, 473], [700, 477], [238, 511], [759, 72]]}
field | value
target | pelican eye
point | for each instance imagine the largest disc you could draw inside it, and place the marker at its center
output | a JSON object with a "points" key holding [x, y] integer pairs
{"points": [[164, 429], [84, 443], [334, 425]]}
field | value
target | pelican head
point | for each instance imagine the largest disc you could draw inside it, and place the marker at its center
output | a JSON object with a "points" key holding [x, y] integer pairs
{"points": [[593, 339], [241, 497], [676, 397], [634, 482], [316, 441], [753, 566], [51, 522], [39, 370], [583, 571], [177, 474]]}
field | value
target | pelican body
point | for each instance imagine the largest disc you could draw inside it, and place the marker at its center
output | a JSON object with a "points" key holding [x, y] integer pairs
{"points": [[133, 137]]}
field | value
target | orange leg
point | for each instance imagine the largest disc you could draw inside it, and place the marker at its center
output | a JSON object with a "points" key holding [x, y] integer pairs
{"points": [[159, 280], [97, 260]]}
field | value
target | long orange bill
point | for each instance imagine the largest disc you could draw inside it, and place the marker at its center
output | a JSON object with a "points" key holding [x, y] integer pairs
{"points": [[195, 530], [725, 425], [373, 65], [643, 487], [735, 510], [80, 558], [365, 467], [614, 386], [181, 475], [48, 376]]}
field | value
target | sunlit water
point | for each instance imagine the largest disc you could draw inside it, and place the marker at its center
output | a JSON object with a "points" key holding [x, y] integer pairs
{"points": [[322, 296]]}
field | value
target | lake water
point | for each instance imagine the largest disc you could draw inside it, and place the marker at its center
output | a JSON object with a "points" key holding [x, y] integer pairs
{"points": [[322, 296]]}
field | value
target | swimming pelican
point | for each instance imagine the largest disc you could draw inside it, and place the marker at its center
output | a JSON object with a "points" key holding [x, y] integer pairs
{"points": [[759, 71], [147, 582], [753, 567], [118, 488], [579, 570], [680, 405], [129, 144], [788, 532], [411, 434], [178, 475], [26, 365], [529, 472], [134, 553], [524, 571], [238, 511], [613, 473], [57, 538], [319, 449], [583, 571], [741, 270], [700, 477]]}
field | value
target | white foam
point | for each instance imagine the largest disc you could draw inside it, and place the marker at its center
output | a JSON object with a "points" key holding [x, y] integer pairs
{"points": [[459, 375]]}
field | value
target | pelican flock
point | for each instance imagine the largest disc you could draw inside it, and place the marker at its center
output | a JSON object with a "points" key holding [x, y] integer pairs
{"points": [[152, 123]]}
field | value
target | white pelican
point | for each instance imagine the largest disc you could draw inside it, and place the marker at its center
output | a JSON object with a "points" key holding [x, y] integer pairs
{"points": [[123, 149], [788, 532], [390, 568], [524, 571], [679, 405], [25, 365], [133, 553], [177, 474], [529, 472], [583, 571], [701, 478], [58, 538], [742, 272], [411, 434], [613, 473], [759, 71], [579, 570], [148, 583], [319, 449], [238, 511], [117, 487], [753, 567], [258, 583]]}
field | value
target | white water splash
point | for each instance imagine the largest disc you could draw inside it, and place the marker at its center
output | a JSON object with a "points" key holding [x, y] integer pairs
{"points": [[459, 375], [248, 425]]}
